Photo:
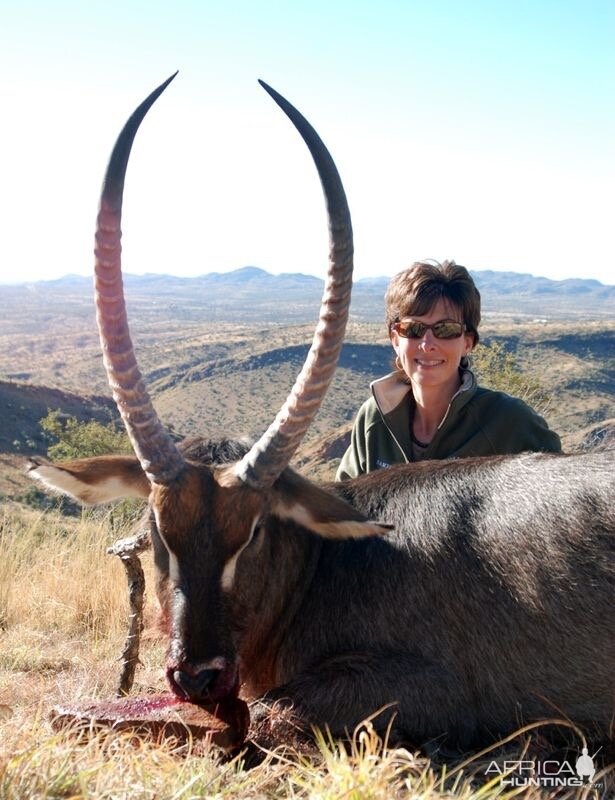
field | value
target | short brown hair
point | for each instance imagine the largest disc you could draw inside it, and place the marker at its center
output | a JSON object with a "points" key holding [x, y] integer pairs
{"points": [[416, 290]]}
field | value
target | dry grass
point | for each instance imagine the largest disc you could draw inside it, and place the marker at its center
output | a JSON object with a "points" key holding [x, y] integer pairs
{"points": [[62, 621], [114, 766], [51, 572]]}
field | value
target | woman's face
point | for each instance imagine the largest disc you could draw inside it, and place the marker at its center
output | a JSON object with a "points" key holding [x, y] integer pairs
{"points": [[430, 362]]}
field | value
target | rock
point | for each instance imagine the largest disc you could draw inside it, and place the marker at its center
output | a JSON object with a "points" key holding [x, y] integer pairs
{"points": [[160, 717]]}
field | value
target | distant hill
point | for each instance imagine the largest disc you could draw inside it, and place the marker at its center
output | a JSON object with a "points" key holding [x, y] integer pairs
{"points": [[234, 386], [516, 294], [253, 294], [219, 352]]}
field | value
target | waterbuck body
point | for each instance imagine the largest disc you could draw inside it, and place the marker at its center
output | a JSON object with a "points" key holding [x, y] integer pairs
{"points": [[489, 603], [458, 598]]}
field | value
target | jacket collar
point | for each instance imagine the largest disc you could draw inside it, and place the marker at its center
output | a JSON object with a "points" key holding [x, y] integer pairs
{"points": [[392, 389]]}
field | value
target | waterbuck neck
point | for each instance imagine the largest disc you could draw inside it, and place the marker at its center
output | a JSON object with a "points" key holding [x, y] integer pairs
{"points": [[269, 608]]}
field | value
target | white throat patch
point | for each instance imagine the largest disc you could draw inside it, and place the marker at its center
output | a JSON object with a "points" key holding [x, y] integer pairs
{"points": [[228, 573]]}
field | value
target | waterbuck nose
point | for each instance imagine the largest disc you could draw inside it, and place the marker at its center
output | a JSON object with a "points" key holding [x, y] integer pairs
{"points": [[196, 687]]}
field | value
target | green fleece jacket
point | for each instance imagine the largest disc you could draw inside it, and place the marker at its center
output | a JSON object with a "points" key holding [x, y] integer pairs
{"points": [[478, 422]]}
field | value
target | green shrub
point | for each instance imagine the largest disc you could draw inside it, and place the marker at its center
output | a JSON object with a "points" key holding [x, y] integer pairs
{"points": [[42, 501], [497, 369], [71, 438]]}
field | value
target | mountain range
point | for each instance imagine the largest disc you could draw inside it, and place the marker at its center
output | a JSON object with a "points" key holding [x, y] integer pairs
{"points": [[253, 293]]}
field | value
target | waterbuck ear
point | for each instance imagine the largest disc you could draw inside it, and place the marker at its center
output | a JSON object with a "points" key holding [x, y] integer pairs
{"points": [[318, 510], [93, 480]]}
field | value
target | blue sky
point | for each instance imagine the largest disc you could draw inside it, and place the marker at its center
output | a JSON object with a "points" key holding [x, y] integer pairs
{"points": [[479, 131]]}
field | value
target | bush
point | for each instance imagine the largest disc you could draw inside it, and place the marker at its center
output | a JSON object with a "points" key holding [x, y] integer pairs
{"points": [[42, 501], [497, 369], [73, 439]]}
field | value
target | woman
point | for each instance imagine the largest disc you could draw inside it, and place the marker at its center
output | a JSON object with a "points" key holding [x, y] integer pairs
{"points": [[431, 406]]}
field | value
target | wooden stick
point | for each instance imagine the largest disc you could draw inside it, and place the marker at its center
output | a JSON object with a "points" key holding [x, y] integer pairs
{"points": [[128, 551]]}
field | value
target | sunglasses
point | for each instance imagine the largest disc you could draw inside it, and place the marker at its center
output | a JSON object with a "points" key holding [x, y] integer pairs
{"points": [[444, 329]]}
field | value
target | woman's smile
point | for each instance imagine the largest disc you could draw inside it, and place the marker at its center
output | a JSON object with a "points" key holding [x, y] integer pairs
{"points": [[427, 363]]}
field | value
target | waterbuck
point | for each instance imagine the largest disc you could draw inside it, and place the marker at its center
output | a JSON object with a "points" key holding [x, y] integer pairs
{"points": [[462, 597]]}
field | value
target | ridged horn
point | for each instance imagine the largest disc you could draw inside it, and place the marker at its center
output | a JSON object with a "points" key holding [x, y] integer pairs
{"points": [[156, 451], [262, 465]]}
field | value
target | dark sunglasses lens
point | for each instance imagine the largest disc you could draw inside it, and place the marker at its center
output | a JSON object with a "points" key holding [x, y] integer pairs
{"points": [[447, 329], [415, 330], [411, 330]]}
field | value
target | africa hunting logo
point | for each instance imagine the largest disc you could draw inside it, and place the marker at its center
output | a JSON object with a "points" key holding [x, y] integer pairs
{"points": [[549, 773]]}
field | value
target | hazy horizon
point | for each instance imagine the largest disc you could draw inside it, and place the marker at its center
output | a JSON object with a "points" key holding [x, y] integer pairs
{"points": [[71, 275]]}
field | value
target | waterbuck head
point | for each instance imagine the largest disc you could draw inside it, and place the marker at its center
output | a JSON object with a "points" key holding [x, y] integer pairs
{"points": [[206, 510]]}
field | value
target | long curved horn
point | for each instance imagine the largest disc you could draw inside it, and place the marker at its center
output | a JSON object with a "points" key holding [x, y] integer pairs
{"points": [[156, 451], [272, 453]]}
